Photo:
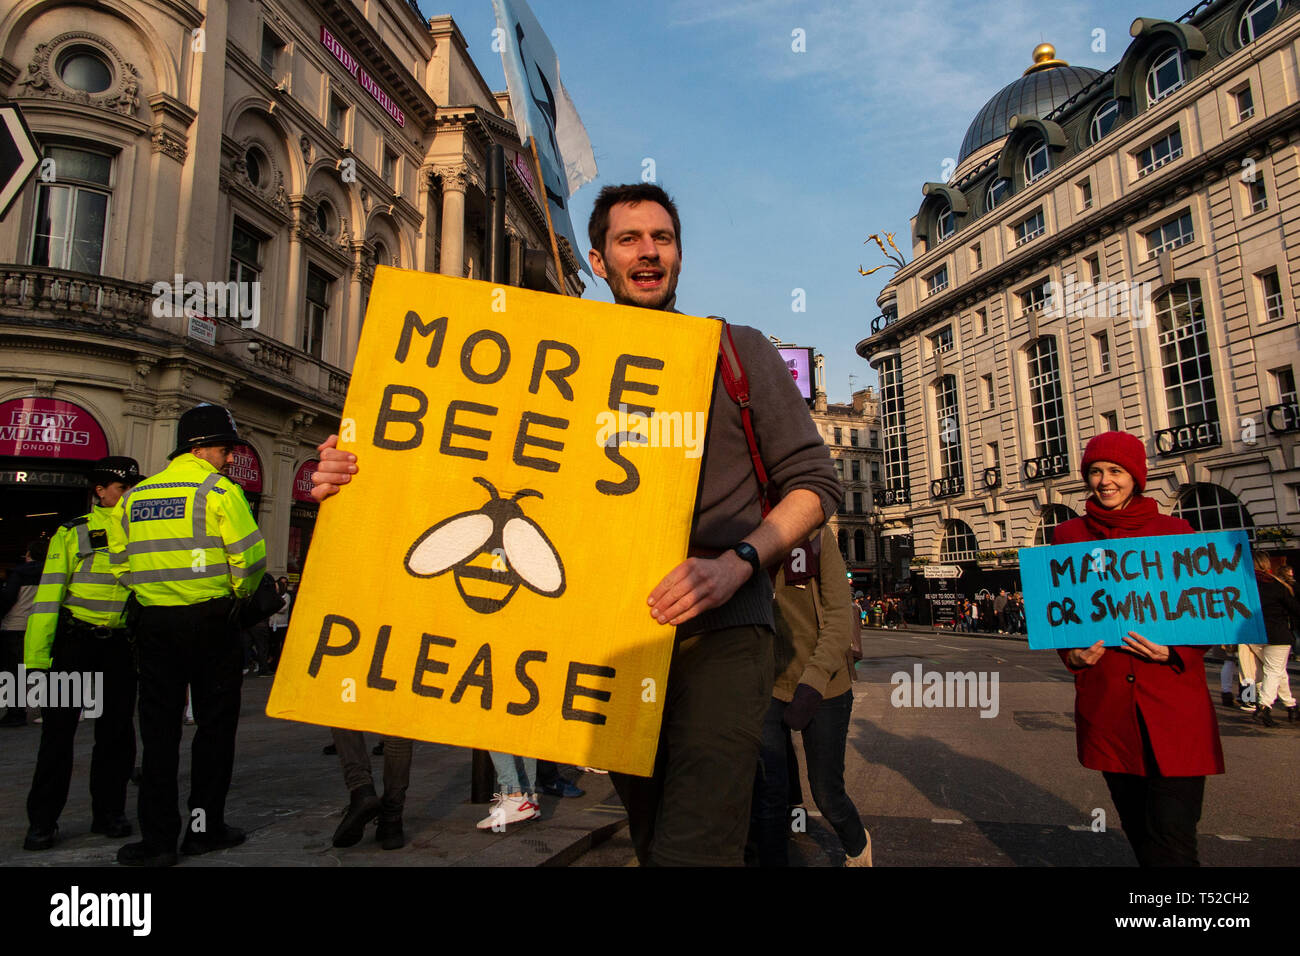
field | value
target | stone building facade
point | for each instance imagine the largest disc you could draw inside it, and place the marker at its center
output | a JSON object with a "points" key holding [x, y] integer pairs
{"points": [[1115, 250], [286, 147]]}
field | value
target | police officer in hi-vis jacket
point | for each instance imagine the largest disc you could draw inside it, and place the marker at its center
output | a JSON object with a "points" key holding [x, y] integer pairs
{"points": [[193, 551], [78, 626]]}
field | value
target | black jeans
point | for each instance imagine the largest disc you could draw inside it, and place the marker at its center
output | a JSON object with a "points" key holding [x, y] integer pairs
{"points": [[694, 810], [113, 756], [351, 745], [175, 646], [1159, 816], [824, 740]]}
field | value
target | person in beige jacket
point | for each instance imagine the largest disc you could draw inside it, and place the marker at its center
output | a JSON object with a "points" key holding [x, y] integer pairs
{"points": [[813, 694]]}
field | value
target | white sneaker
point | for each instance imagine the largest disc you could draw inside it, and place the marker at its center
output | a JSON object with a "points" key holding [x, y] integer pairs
{"points": [[591, 770], [507, 810]]}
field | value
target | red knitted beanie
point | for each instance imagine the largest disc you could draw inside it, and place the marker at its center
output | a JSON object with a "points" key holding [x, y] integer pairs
{"points": [[1124, 450]]}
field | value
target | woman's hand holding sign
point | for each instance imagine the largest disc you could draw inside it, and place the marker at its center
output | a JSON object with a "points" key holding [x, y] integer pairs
{"points": [[336, 468], [1139, 646]]}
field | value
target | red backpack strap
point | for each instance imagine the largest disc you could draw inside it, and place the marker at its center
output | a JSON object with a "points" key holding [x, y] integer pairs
{"points": [[737, 385]]}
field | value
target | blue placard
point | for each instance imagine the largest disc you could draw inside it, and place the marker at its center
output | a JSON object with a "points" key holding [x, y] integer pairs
{"points": [[1171, 589]]}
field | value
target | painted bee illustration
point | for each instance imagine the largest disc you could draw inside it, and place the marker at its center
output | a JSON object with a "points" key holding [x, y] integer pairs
{"points": [[490, 552]]}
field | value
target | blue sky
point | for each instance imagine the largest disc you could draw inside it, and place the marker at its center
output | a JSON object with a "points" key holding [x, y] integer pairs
{"points": [[783, 162]]}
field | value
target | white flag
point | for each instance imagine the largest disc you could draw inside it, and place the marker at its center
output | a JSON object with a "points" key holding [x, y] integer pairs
{"points": [[544, 110]]}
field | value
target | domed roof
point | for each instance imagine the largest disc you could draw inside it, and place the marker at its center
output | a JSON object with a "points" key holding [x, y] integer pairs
{"points": [[1046, 85]]}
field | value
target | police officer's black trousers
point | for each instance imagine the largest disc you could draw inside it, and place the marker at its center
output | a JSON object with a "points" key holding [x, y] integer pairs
{"points": [[76, 651], [175, 646]]}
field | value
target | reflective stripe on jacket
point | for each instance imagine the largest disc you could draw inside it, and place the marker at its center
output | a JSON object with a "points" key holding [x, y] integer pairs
{"points": [[79, 574], [190, 536]]}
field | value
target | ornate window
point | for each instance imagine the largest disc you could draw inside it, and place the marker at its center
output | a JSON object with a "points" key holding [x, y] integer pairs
{"points": [[1185, 356], [959, 542], [316, 320], [82, 68], [1165, 76], [1259, 16], [1037, 163], [1164, 150], [1048, 519], [859, 545], [1103, 120], [245, 253], [1209, 507], [893, 418], [72, 211], [945, 223], [325, 218], [1047, 409], [999, 190], [947, 405], [1170, 235]]}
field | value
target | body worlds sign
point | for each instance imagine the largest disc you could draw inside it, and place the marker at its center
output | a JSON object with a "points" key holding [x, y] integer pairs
{"points": [[483, 579], [1171, 589]]}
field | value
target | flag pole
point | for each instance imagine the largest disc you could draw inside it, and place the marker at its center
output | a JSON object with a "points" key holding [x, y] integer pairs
{"points": [[546, 208]]}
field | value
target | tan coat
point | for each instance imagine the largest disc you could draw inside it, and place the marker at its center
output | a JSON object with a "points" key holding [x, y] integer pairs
{"points": [[815, 622]]}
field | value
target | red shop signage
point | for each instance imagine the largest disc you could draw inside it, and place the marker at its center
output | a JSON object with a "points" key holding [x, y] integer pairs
{"points": [[331, 43], [49, 428], [302, 482], [245, 469]]}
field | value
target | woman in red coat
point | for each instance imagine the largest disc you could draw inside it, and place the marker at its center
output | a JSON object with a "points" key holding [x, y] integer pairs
{"points": [[1143, 714]]}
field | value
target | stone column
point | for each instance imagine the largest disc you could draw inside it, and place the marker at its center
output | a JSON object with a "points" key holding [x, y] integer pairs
{"points": [[454, 183]]}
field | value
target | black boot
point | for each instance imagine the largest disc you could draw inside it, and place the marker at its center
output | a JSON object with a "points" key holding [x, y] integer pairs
{"points": [[1291, 715], [389, 832], [363, 808], [1227, 698], [1264, 715]]}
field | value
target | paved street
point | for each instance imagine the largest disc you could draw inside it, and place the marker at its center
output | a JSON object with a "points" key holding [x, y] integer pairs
{"points": [[946, 787], [936, 786]]}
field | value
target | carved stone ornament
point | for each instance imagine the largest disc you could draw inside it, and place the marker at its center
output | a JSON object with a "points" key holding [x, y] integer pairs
{"points": [[168, 142], [304, 144], [42, 79]]}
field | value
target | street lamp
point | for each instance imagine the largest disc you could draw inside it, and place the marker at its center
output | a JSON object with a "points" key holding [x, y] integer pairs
{"points": [[877, 522]]}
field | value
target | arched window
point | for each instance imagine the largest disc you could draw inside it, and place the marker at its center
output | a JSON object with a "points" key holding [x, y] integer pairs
{"points": [[1259, 16], [1208, 507], [382, 258], [947, 407], [945, 223], [1103, 120], [859, 545], [999, 189], [1037, 163], [1051, 516], [959, 543], [1185, 356], [84, 69], [1165, 76], [1046, 406], [842, 537]]}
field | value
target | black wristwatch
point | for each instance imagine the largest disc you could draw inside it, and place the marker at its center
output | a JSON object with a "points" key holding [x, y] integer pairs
{"points": [[747, 553]]}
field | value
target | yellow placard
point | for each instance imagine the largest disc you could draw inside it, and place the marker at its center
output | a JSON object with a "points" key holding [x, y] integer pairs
{"points": [[527, 469]]}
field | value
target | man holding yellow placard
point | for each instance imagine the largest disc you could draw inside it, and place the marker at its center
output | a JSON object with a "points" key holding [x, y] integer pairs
{"points": [[692, 806]]}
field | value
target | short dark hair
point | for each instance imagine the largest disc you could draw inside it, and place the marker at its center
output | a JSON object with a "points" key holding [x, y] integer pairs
{"points": [[39, 548], [611, 196]]}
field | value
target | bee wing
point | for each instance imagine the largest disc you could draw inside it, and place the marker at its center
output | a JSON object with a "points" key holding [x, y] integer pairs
{"points": [[448, 543], [533, 557]]}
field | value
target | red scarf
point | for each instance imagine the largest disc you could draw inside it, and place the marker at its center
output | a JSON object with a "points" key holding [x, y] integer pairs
{"points": [[1126, 522]]}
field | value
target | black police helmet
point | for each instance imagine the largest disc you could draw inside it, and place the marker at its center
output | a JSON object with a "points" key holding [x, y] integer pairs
{"points": [[116, 468], [205, 425]]}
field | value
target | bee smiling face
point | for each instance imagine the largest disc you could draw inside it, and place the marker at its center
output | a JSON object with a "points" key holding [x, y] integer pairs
{"points": [[491, 552]]}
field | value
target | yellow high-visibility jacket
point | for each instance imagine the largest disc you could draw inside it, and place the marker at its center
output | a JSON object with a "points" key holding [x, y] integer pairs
{"points": [[79, 575], [190, 536]]}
